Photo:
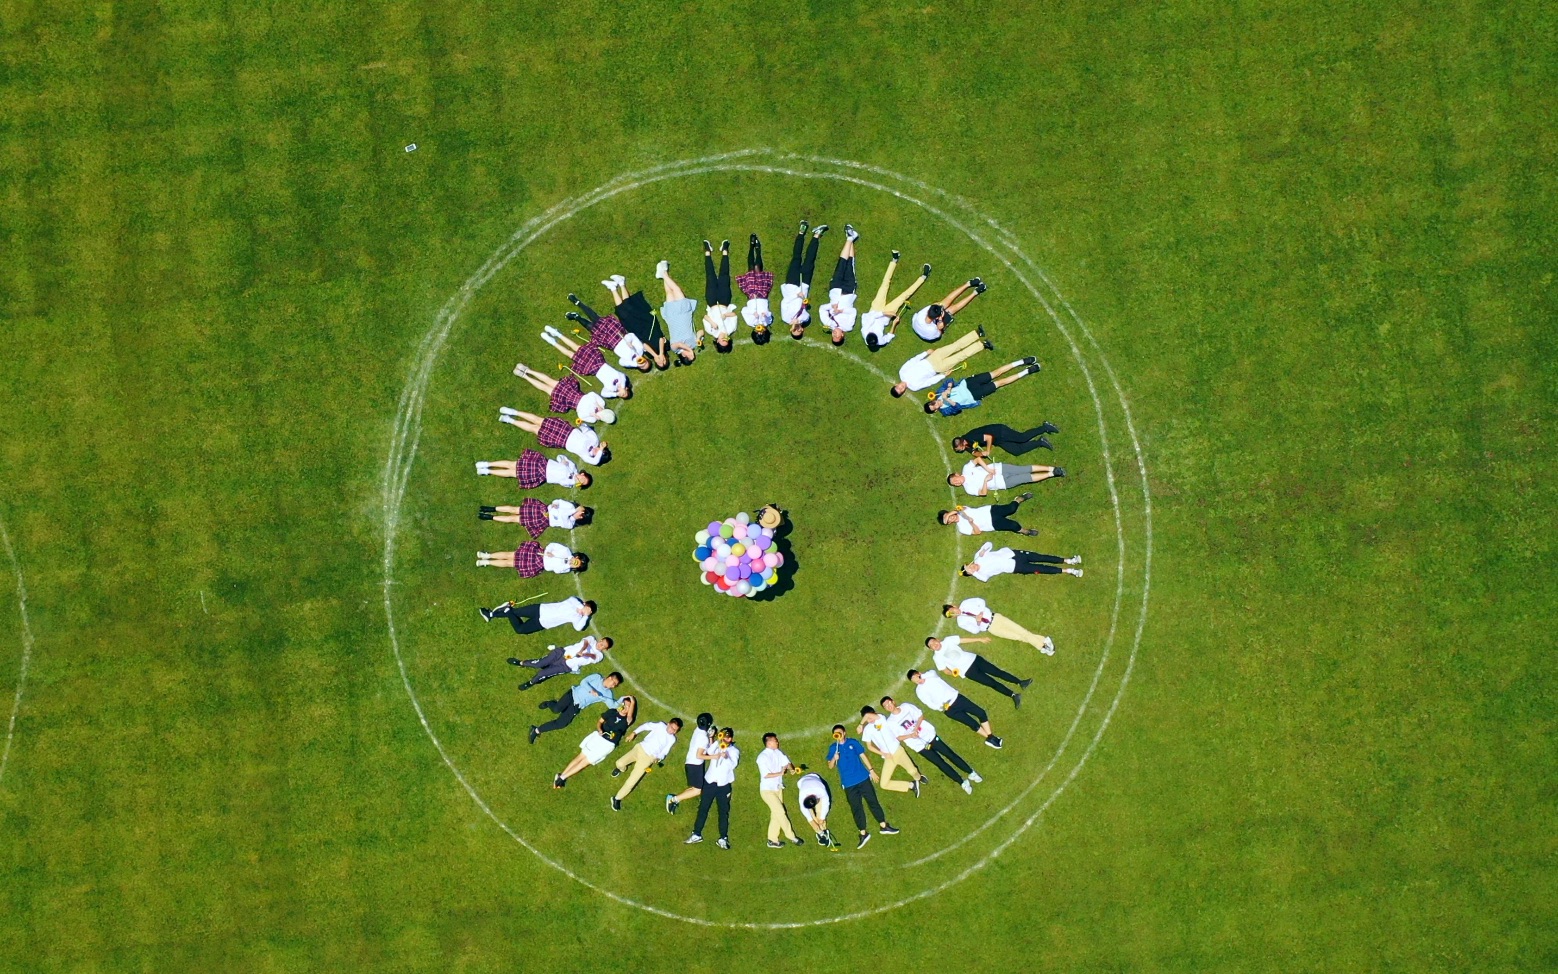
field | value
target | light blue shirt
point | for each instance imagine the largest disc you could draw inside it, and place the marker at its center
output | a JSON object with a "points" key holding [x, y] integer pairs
{"points": [[592, 690]]}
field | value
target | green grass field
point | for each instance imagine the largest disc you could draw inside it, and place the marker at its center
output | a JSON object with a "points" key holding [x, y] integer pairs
{"points": [[1300, 256]]}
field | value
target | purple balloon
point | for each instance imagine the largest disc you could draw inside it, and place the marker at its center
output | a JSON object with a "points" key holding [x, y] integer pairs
{"points": [[714, 527], [732, 574]]}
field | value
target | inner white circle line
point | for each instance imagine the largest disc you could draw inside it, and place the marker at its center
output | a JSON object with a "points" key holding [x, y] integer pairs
{"points": [[407, 428], [26, 627]]}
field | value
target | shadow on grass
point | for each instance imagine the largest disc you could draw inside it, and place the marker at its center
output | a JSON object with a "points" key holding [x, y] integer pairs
{"points": [[791, 565]]}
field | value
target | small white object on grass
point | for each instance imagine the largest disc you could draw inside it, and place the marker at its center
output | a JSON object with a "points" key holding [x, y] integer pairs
{"points": [[412, 147]]}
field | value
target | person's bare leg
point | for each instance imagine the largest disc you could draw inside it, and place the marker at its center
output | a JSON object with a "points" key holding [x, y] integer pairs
{"points": [[506, 515], [673, 290], [689, 793], [953, 309], [542, 382], [1042, 473], [501, 468], [579, 763], [957, 292], [848, 251], [499, 559], [566, 345]]}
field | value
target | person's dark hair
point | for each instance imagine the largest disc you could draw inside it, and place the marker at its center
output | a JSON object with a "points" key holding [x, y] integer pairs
{"points": [[677, 721], [912, 674], [941, 517], [762, 337], [949, 480], [705, 720], [959, 449], [725, 349], [837, 342], [588, 480], [840, 727], [584, 515], [615, 675], [605, 455], [810, 801], [731, 731], [872, 343], [770, 736], [930, 408], [897, 392], [963, 571], [584, 561], [928, 641], [947, 607], [627, 388], [867, 711], [885, 701], [667, 365], [800, 336], [935, 311], [592, 605], [604, 643]]}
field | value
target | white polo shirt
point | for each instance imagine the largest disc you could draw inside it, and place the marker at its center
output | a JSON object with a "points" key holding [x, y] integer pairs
{"points": [[555, 558], [880, 733], [977, 478], [771, 760], [589, 407], [700, 739], [812, 784], [952, 657], [561, 471], [990, 561], [564, 613], [923, 326], [839, 312], [629, 350], [934, 692], [974, 616], [970, 518], [719, 320], [656, 739], [874, 323], [722, 766], [584, 443], [559, 513], [581, 654], [918, 374], [757, 312], [903, 720], [614, 383], [792, 306]]}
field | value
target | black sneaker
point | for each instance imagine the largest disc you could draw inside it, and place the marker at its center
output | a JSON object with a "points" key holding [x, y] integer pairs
{"points": [[486, 614], [804, 227], [888, 830], [799, 840], [1049, 428], [987, 344], [976, 282], [514, 661], [484, 515], [821, 229], [616, 772], [535, 732], [1030, 359], [671, 803], [864, 838], [924, 780], [708, 249], [1025, 684], [558, 781], [993, 741], [574, 316], [1060, 471], [775, 844], [1044, 442], [487, 510], [724, 247], [616, 803], [979, 330], [980, 288], [897, 255], [1026, 495], [1016, 700], [914, 786], [752, 239], [925, 271], [574, 299], [822, 837]]}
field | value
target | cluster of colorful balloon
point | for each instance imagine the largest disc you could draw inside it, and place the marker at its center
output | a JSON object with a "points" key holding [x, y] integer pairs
{"points": [[738, 557]]}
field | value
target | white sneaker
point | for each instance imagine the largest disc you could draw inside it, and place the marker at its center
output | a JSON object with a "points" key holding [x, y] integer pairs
{"points": [[619, 280], [974, 777], [481, 563], [508, 411], [520, 369], [1074, 560], [481, 469], [662, 269], [511, 420], [1048, 649], [1073, 571], [968, 787], [850, 233], [610, 284]]}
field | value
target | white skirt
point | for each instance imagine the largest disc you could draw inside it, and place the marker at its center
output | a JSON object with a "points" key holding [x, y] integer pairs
{"points": [[595, 748]]}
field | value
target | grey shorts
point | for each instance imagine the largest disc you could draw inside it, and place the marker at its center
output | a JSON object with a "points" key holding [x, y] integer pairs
{"points": [[1013, 474]]}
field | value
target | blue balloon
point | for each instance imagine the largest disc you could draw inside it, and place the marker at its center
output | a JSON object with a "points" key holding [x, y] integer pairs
{"points": [[703, 552]]}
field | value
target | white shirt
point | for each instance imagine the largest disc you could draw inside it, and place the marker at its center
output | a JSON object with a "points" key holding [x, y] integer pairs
{"points": [[842, 316], [771, 760], [700, 739], [880, 733], [974, 616], [584, 443], [722, 765], [559, 513], [812, 784], [581, 654], [719, 321], [564, 613], [977, 478], [903, 721], [614, 382], [990, 561], [970, 518], [561, 471], [875, 323], [555, 558], [589, 407], [629, 350], [757, 312], [952, 658], [917, 373], [792, 307], [935, 693], [656, 739], [923, 326]]}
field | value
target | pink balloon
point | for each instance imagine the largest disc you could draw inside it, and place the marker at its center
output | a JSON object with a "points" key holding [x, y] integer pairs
{"points": [[771, 559], [732, 561], [740, 531], [778, 559]]}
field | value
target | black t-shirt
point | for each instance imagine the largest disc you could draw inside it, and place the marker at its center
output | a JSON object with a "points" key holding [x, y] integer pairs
{"points": [[613, 726]]}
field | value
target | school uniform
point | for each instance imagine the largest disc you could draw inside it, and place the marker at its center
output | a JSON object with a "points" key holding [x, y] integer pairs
{"points": [[954, 660], [937, 694], [975, 616], [772, 761], [589, 691], [921, 739], [655, 741], [717, 782], [855, 779], [878, 732], [563, 659]]}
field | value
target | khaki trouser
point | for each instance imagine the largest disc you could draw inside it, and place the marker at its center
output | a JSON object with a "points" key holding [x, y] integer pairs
{"points": [[641, 761], [889, 308], [892, 762], [778, 818], [947, 357], [1007, 629]]}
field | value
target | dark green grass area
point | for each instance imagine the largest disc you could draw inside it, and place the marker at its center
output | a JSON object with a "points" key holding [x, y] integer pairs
{"points": [[1315, 241]]}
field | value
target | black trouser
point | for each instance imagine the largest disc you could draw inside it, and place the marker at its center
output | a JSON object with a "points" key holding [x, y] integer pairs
{"points": [[988, 674], [587, 311], [1001, 517], [637, 316], [801, 270], [1013, 442], [1033, 563], [716, 287], [967, 712], [711, 795], [859, 796], [938, 753], [755, 254], [844, 276], [525, 619], [546, 667], [566, 709]]}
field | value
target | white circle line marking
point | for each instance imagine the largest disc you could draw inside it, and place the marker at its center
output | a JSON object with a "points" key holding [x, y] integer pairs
{"points": [[27, 642]]}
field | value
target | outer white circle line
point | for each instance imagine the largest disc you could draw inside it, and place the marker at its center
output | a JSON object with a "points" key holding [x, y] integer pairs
{"points": [[406, 431], [946, 463], [26, 627]]}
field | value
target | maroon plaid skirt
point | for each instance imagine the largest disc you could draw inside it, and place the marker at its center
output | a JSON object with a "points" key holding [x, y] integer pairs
{"points": [[608, 331], [588, 359], [532, 516], [755, 284], [565, 395], [554, 432], [527, 559], [530, 469]]}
